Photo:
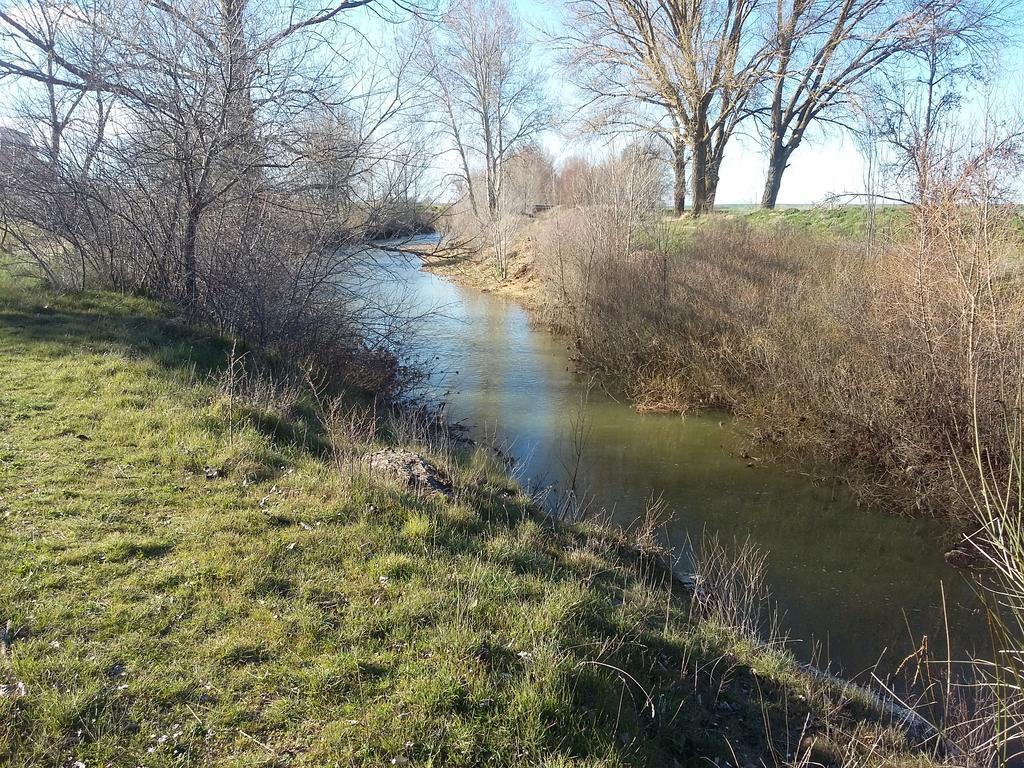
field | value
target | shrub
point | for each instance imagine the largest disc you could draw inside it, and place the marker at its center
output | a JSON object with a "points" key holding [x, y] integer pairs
{"points": [[861, 357]]}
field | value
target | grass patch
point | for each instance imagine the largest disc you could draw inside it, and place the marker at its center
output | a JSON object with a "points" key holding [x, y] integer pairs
{"points": [[843, 222], [280, 611]]}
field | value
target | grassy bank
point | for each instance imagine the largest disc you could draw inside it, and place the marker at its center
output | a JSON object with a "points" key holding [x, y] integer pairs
{"points": [[846, 221], [201, 571], [529, 286]]}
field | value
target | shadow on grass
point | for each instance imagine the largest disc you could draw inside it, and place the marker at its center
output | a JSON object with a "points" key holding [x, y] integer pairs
{"points": [[65, 325], [138, 325]]}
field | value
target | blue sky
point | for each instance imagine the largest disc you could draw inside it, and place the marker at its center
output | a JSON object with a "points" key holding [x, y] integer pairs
{"points": [[824, 165]]}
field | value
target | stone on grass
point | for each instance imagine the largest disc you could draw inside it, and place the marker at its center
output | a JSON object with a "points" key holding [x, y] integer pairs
{"points": [[409, 469]]}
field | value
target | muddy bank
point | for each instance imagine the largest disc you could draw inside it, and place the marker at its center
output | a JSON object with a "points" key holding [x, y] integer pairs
{"points": [[476, 270]]}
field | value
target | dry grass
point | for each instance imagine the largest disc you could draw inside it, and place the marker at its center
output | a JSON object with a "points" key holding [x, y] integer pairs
{"points": [[856, 355]]}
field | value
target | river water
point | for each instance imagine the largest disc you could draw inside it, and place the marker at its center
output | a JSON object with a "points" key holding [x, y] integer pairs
{"points": [[855, 588]]}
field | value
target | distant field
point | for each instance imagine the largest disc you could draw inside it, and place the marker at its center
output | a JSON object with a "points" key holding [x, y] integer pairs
{"points": [[845, 221], [840, 221]]}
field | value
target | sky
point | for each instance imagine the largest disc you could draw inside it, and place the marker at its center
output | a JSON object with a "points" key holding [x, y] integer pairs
{"points": [[823, 166]]}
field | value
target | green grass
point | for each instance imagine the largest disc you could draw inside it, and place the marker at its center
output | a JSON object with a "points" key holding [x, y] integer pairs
{"points": [[291, 612], [841, 221], [844, 221], [850, 221]]}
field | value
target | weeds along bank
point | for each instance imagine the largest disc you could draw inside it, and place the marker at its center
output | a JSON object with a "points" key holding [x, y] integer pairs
{"points": [[881, 356], [202, 569], [871, 359]]}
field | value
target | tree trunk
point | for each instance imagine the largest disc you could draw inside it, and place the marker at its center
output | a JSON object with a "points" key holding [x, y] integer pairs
{"points": [[245, 154], [679, 167], [492, 196], [711, 177], [698, 176], [778, 161], [188, 254]]}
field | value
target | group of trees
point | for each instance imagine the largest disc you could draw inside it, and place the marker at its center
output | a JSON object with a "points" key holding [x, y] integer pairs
{"points": [[166, 130], [693, 72], [189, 147], [211, 152]]}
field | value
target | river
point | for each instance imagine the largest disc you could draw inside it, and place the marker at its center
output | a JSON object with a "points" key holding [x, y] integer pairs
{"points": [[855, 587]]}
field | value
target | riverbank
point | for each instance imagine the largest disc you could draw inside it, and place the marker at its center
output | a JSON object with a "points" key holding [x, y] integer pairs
{"points": [[475, 269], [526, 285], [839, 339], [207, 568]]}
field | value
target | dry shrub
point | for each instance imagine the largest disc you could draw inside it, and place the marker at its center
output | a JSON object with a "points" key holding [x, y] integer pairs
{"points": [[269, 270], [993, 483], [278, 283], [730, 590], [492, 227], [493, 233], [859, 357], [603, 260], [247, 379]]}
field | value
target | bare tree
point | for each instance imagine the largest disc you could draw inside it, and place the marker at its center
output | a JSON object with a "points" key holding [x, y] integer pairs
{"points": [[913, 107], [529, 182], [212, 152], [488, 100], [694, 63], [488, 104], [822, 49]]}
